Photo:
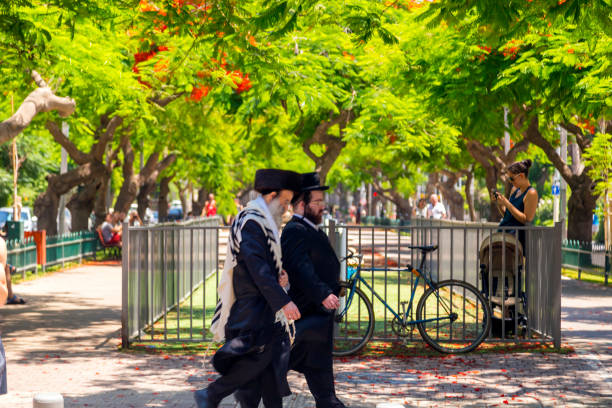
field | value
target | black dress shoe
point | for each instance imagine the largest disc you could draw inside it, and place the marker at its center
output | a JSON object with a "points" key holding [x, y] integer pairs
{"points": [[203, 400], [330, 402]]}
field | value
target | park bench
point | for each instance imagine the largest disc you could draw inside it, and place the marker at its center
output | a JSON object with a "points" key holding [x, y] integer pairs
{"points": [[112, 250]]}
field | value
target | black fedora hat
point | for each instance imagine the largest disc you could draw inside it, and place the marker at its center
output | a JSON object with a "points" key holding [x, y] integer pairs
{"points": [[267, 180], [311, 182]]}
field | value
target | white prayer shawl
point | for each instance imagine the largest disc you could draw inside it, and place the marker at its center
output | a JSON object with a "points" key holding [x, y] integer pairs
{"points": [[256, 210]]}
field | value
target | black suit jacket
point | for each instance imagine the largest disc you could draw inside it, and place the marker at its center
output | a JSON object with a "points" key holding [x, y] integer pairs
{"points": [[311, 263], [258, 294]]}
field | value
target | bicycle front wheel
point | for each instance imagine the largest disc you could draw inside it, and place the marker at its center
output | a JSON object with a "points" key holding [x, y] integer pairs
{"points": [[453, 317], [354, 321]]}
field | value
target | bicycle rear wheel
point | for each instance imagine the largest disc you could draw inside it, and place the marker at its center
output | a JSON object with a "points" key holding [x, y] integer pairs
{"points": [[455, 317], [354, 322]]}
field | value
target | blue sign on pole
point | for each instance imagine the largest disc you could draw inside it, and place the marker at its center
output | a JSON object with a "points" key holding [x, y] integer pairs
{"points": [[555, 189]]}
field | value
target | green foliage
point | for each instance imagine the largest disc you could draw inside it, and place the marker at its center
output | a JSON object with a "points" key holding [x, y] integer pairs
{"points": [[40, 157], [599, 157]]}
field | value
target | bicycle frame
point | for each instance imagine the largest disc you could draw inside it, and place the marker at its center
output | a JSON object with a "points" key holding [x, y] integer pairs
{"points": [[403, 319]]}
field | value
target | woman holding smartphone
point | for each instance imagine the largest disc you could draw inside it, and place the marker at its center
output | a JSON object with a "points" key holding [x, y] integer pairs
{"points": [[519, 209]]}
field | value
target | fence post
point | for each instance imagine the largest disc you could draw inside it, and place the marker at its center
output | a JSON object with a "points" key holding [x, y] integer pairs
{"points": [[607, 264], [556, 285], [332, 234], [124, 284]]}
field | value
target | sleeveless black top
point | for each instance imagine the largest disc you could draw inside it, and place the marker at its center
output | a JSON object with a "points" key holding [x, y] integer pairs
{"points": [[516, 199]]}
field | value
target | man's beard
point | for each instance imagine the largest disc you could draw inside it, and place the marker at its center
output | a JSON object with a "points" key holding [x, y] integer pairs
{"points": [[312, 216], [276, 210]]}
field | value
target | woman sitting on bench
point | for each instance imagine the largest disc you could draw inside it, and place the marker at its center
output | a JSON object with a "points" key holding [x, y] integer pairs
{"points": [[112, 230]]}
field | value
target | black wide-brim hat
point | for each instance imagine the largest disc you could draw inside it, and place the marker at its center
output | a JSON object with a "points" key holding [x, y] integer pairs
{"points": [[311, 182], [276, 179]]}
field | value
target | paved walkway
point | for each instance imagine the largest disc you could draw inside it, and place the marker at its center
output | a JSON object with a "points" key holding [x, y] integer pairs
{"points": [[65, 340]]}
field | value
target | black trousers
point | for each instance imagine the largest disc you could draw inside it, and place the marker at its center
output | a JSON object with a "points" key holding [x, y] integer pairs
{"points": [[311, 356], [260, 368]]}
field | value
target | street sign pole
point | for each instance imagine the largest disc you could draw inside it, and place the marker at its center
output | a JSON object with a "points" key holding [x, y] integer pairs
{"points": [[506, 133], [563, 184], [63, 169]]}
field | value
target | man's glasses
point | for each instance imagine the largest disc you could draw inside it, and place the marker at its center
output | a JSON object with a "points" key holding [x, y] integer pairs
{"points": [[318, 202]]}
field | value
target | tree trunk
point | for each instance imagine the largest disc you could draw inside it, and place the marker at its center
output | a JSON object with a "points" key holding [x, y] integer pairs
{"points": [[333, 144], [143, 198], [164, 190], [468, 193], [430, 187], [492, 175], [100, 204], [580, 207], [452, 196], [182, 193], [46, 204], [198, 205], [81, 205], [45, 208], [323, 164], [133, 182]]}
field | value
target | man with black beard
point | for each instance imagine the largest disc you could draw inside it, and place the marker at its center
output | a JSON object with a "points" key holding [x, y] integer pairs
{"points": [[314, 272]]}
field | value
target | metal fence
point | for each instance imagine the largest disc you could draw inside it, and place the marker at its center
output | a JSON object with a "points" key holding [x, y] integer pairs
{"points": [[22, 255], [170, 274], [70, 247], [164, 265], [524, 287], [588, 257], [59, 249]]}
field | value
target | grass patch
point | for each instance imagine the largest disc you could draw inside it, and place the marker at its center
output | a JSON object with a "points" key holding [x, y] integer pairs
{"points": [[182, 326], [182, 323], [585, 276], [416, 349], [373, 349]]}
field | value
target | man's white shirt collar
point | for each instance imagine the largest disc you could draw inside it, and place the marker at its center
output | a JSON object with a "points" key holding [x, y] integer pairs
{"points": [[268, 215], [307, 221]]}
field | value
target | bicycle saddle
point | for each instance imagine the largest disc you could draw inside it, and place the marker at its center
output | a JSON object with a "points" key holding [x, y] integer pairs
{"points": [[424, 248]]}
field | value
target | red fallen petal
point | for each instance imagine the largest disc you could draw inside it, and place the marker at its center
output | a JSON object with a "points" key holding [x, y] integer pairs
{"points": [[136, 368]]}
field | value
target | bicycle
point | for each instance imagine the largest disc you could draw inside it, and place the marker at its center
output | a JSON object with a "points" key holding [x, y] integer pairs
{"points": [[452, 316]]}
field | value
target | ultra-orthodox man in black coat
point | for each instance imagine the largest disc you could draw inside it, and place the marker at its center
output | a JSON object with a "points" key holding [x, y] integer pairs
{"points": [[314, 272], [256, 349]]}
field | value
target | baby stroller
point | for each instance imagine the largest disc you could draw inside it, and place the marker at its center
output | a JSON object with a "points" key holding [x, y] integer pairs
{"points": [[502, 283]]}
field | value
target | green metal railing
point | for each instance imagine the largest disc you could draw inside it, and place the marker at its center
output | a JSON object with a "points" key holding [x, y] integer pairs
{"points": [[59, 250], [70, 247], [22, 254], [589, 257]]}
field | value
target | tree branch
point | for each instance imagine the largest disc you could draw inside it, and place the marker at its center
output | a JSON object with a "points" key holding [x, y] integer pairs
{"points": [[581, 140], [75, 154], [40, 100], [99, 148], [162, 102], [532, 133]]}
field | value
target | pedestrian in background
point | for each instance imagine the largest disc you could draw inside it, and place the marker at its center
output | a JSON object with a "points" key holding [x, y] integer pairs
{"points": [[3, 295]]}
